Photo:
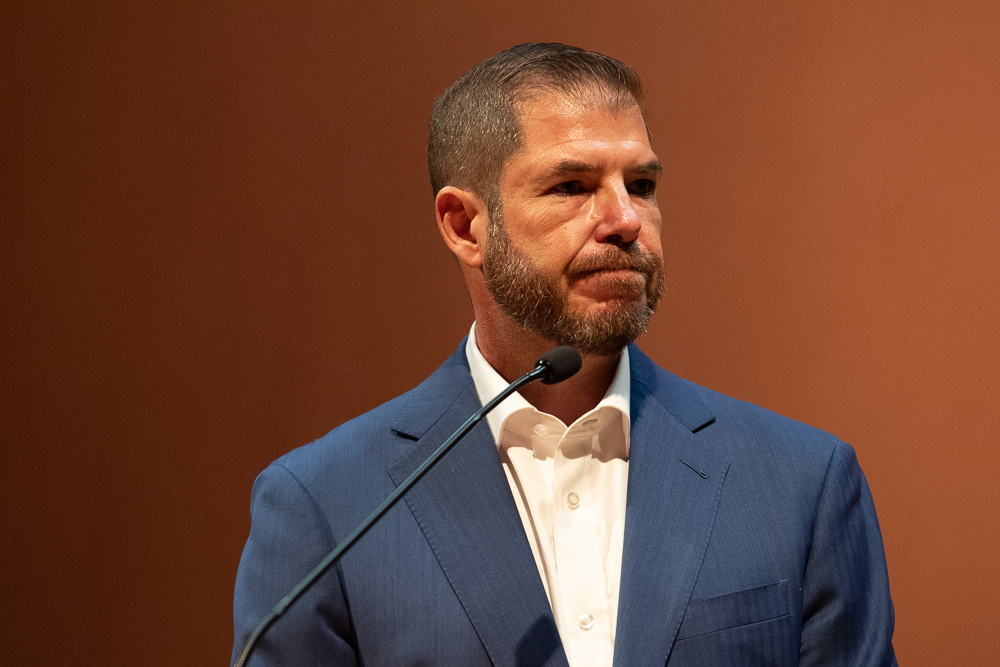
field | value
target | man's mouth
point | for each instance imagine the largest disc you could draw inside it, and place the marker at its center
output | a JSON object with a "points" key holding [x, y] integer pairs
{"points": [[611, 284], [614, 260], [612, 272]]}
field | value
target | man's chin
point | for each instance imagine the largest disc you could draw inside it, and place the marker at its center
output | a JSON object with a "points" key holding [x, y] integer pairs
{"points": [[608, 307], [605, 330]]}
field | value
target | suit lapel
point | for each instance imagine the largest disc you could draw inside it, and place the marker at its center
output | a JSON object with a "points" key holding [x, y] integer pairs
{"points": [[467, 513], [673, 492]]}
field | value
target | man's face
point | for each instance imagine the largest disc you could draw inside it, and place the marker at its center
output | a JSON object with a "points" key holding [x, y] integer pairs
{"points": [[574, 256]]}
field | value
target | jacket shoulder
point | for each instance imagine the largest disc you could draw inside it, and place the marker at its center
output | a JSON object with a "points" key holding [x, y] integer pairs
{"points": [[738, 427]]}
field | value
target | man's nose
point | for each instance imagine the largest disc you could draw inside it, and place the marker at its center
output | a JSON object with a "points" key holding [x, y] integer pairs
{"points": [[616, 217]]}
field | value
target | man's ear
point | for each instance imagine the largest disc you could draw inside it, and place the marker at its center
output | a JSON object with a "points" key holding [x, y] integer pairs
{"points": [[462, 220]]}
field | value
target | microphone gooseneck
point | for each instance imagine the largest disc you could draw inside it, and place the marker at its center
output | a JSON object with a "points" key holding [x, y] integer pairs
{"points": [[552, 367]]}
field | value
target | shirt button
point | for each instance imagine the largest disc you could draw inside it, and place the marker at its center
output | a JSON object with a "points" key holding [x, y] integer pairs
{"points": [[586, 622], [540, 429], [573, 501]]}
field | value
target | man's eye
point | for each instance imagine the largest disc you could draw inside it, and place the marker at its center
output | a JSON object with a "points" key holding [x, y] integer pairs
{"points": [[569, 188], [642, 187]]}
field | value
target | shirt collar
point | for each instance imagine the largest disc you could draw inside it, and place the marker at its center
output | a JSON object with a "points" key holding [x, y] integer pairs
{"points": [[489, 383]]}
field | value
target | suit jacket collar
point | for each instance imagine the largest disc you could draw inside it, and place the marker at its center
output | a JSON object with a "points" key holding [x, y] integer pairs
{"points": [[466, 511], [433, 397]]}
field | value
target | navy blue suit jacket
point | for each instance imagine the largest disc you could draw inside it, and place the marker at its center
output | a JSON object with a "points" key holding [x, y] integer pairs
{"points": [[750, 539]]}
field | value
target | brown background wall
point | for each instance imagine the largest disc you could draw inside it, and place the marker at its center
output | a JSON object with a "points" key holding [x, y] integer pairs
{"points": [[218, 244]]}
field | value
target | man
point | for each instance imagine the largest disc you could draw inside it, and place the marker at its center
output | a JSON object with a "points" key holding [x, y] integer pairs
{"points": [[665, 525]]}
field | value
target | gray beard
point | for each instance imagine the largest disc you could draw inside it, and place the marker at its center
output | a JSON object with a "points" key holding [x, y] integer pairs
{"points": [[535, 302]]}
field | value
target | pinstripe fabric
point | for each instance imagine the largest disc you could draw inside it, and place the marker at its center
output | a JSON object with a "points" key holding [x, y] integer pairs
{"points": [[750, 539]]}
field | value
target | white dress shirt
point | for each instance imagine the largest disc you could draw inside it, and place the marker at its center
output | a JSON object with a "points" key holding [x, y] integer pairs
{"points": [[569, 484]]}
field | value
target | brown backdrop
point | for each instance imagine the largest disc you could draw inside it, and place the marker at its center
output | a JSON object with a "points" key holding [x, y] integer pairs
{"points": [[218, 243]]}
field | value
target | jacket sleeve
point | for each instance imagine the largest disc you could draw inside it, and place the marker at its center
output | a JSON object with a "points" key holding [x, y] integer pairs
{"points": [[847, 613], [289, 536]]}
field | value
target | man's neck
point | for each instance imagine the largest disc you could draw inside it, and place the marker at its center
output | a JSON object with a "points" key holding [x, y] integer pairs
{"points": [[578, 395], [514, 355]]}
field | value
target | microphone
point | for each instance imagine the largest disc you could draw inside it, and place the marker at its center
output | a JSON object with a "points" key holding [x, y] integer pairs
{"points": [[552, 367], [562, 362]]}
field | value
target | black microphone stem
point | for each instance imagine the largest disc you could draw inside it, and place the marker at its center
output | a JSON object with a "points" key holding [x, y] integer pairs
{"points": [[540, 371]]}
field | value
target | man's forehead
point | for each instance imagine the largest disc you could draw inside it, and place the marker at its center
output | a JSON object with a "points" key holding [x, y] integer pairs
{"points": [[541, 103], [554, 112], [551, 121]]}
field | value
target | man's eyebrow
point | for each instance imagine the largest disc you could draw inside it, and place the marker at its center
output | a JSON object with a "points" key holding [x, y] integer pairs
{"points": [[578, 167], [569, 167], [651, 167]]}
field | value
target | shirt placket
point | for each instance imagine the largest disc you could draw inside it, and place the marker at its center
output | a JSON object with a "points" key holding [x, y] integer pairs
{"points": [[583, 590]]}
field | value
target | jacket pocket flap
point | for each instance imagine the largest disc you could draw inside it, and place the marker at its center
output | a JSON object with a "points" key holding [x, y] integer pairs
{"points": [[752, 605]]}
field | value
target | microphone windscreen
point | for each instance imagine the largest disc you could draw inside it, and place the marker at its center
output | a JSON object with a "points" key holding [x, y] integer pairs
{"points": [[562, 362]]}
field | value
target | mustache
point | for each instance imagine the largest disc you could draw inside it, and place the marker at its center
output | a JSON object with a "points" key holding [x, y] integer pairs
{"points": [[613, 258]]}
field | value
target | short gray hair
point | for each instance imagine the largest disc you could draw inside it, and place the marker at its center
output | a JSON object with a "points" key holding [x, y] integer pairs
{"points": [[475, 126]]}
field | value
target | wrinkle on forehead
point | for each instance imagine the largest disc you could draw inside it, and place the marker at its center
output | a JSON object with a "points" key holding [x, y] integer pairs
{"points": [[586, 94], [540, 103], [544, 103]]}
